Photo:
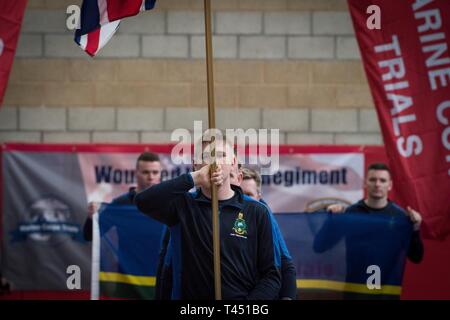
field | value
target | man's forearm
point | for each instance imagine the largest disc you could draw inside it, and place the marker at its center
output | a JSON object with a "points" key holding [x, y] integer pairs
{"points": [[415, 250]]}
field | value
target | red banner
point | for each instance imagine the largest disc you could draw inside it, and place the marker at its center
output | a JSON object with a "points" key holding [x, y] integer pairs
{"points": [[11, 14], [407, 62]]}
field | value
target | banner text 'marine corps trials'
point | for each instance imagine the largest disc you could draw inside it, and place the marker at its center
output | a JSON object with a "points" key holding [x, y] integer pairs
{"points": [[407, 62]]}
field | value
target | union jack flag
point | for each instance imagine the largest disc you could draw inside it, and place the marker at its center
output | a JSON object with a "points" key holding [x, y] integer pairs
{"points": [[100, 19]]}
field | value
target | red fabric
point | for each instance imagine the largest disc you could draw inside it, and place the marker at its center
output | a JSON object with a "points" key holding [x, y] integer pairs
{"points": [[413, 106], [93, 42], [122, 9], [11, 14]]}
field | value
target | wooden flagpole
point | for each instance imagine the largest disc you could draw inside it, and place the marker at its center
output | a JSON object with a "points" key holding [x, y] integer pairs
{"points": [[212, 125]]}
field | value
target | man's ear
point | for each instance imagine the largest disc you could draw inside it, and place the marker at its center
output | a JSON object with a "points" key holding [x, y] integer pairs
{"points": [[390, 185]]}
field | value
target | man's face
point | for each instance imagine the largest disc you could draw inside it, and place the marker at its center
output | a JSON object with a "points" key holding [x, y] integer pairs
{"points": [[250, 189], [148, 173], [378, 184], [224, 156]]}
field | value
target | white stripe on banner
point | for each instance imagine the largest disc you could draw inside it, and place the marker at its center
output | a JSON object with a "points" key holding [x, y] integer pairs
{"points": [[143, 5], [83, 41], [103, 11], [106, 32], [95, 272]]}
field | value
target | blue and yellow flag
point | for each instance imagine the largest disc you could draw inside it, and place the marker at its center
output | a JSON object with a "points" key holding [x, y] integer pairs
{"points": [[347, 256], [129, 251], [337, 256]]}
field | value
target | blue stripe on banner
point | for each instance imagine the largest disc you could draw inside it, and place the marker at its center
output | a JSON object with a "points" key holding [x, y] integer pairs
{"points": [[149, 4], [89, 18], [77, 36]]}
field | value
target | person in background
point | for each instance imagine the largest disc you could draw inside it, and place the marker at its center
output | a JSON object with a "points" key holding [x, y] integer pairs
{"points": [[250, 182], [378, 184], [148, 173]]}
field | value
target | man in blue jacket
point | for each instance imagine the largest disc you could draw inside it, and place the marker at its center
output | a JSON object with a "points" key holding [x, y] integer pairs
{"points": [[248, 262], [251, 186]]}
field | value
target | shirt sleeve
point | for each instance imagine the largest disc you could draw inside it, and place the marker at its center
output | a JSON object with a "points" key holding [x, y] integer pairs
{"points": [[287, 268], [288, 278], [415, 250], [269, 284], [159, 200]]}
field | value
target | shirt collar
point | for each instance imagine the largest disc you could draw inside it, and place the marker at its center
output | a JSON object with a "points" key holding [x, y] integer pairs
{"points": [[363, 203], [236, 201]]}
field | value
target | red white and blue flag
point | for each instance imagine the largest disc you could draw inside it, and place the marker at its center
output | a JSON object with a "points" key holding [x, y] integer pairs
{"points": [[100, 19]]}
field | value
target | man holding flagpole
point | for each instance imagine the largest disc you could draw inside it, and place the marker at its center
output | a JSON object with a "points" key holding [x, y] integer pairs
{"points": [[99, 21], [248, 263]]}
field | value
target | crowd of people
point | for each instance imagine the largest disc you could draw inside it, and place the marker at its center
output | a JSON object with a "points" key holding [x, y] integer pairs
{"points": [[255, 260]]}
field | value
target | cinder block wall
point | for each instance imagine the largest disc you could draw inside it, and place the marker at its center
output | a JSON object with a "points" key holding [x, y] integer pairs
{"points": [[287, 64]]}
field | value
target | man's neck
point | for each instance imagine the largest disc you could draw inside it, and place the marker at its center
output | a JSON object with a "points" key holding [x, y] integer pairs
{"points": [[224, 192], [376, 203]]}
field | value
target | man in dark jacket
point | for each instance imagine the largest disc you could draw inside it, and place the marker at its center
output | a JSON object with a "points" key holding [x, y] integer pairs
{"points": [[248, 261], [378, 185]]}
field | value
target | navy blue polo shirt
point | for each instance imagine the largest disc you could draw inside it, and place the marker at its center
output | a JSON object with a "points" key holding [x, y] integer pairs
{"points": [[248, 263]]}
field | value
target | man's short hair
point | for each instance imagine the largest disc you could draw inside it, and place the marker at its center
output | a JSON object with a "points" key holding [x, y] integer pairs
{"points": [[379, 166], [250, 174], [148, 157]]}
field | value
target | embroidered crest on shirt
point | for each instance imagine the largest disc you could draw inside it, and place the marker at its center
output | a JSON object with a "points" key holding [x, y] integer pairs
{"points": [[240, 227]]}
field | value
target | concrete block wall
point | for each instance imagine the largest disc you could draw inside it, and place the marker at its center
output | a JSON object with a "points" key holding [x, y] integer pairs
{"points": [[287, 64], [139, 125]]}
